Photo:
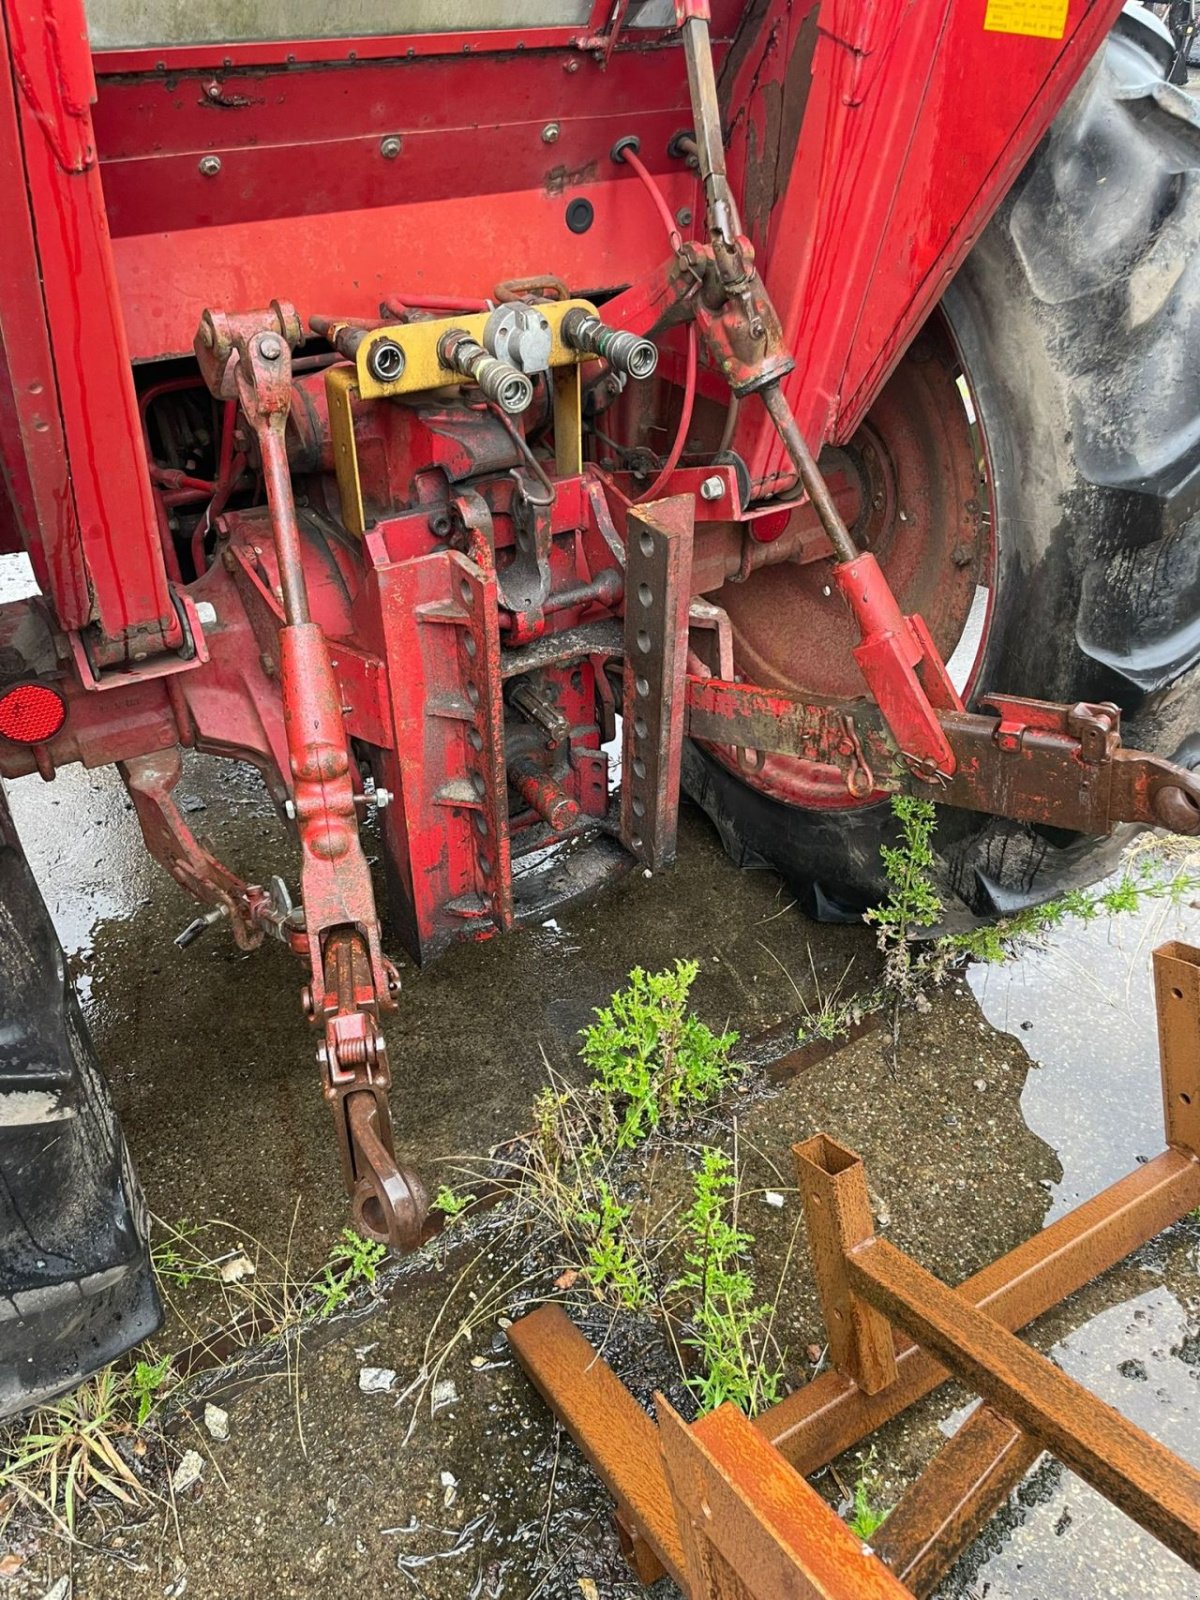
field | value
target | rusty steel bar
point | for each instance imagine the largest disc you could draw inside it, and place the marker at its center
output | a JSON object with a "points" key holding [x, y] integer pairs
{"points": [[611, 1429], [837, 1211], [831, 1413], [1148, 1482], [1177, 1002], [752, 1529], [951, 1502], [654, 707]]}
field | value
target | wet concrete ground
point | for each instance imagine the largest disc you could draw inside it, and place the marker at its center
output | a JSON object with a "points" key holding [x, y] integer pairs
{"points": [[1023, 1089]]}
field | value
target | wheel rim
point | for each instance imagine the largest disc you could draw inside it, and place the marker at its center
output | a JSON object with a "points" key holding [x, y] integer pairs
{"points": [[925, 515]]}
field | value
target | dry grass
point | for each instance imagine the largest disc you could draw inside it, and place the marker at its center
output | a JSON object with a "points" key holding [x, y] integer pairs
{"points": [[75, 1446]]}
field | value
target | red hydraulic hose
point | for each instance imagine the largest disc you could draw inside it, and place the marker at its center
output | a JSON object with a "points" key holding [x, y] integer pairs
{"points": [[397, 304], [685, 422], [169, 478], [655, 194], [170, 556], [225, 459], [689, 384]]}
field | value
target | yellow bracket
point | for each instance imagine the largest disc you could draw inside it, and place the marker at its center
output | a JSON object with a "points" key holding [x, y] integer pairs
{"points": [[341, 389], [423, 371]]}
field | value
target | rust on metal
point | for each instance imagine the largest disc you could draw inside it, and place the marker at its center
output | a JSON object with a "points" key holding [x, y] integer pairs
{"points": [[752, 1529], [1150, 1483], [607, 1424], [1025, 759], [831, 1413], [837, 1211], [950, 1503], [1040, 762], [1177, 1002], [151, 781]]}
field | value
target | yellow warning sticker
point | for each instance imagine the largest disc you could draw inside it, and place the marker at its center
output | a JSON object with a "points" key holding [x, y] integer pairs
{"points": [[1041, 19]]}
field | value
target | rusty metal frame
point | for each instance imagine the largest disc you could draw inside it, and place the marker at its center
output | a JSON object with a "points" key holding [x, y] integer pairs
{"points": [[722, 1505]]}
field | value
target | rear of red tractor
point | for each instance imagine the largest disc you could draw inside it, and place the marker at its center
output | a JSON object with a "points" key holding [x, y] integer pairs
{"points": [[451, 424]]}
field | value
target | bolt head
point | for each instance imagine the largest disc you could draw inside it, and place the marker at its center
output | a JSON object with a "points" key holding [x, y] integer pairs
{"points": [[289, 810], [550, 133], [684, 216], [209, 166], [270, 348], [712, 488], [390, 147], [206, 613]]}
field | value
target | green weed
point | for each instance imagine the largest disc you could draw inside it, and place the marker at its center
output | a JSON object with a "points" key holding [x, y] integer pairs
{"points": [[145, 1381], [612, 1265], [353, 1260], [555, 1120], [865, 1516], [450, 1203], [832, 1013], [727, 1327], [913, 905], [652, 1058], [179, 1258]]}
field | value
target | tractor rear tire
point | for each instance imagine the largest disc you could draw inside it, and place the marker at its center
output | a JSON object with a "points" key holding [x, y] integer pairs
{"points": [[1076, 319], [76, 1284]]}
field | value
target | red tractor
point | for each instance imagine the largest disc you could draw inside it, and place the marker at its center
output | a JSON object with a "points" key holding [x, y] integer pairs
{"points": [[488, 430]]}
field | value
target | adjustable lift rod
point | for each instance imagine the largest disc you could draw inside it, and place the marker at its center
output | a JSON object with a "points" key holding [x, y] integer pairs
{"points": [[725, 228]]}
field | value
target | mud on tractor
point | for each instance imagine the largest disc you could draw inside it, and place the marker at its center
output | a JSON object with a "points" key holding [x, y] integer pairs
{"points": [[491, 430]]}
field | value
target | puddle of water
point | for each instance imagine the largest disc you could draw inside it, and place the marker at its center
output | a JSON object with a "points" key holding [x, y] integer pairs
{"points": [[17, 581], [85, 848], [76, 828], [1063, 1540], [1083, 1007]]}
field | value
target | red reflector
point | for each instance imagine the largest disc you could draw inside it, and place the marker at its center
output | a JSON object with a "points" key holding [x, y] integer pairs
{"points": [[30, 713]]}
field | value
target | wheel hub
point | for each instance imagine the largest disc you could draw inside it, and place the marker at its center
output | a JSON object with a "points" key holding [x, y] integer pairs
{"points": [[923, 514]]}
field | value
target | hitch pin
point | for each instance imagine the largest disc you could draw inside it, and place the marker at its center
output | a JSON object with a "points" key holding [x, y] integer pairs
{"points": [[199, 925]]}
